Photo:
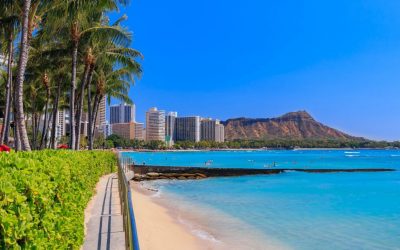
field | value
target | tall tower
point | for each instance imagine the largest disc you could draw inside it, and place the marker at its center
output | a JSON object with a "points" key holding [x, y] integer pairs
{"points": [[170, 120], [122, 113], [188, 128], [101, 115], [212, 130], [155, 125]]}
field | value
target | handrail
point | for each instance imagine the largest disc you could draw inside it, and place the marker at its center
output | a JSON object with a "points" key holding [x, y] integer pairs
{"points": [[131, 237]]}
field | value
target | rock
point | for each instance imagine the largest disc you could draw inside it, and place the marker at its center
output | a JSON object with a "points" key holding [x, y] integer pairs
{"points": [[166, 175], [181, 178], [188, 175], [201, 175], [152, 174]]}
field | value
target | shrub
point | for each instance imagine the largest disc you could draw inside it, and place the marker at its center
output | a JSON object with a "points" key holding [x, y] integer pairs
{"points": [[43, 195]]}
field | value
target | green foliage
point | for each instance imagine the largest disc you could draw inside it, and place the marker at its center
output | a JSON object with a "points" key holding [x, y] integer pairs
{"points": [[155, 145], [118, 141], [100, 142], [64, 140], [43, 195]]}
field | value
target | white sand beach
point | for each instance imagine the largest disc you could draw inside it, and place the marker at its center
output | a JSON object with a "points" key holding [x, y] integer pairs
{"points": [[157, 229]]}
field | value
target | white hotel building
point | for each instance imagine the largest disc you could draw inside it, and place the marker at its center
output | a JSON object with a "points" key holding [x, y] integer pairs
{"points": [[155, 125]]}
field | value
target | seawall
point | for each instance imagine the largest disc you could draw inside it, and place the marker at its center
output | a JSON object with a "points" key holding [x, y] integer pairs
{"points": [[148, 172]]}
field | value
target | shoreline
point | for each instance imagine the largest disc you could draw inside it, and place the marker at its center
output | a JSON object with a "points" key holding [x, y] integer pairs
{"points": [[158, 228], [249, 149], [163, 224]]}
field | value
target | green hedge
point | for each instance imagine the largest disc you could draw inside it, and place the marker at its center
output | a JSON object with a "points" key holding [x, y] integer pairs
{"points": [[43, 195]]}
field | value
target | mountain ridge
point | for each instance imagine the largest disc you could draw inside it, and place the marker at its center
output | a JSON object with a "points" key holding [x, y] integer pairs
{"points": [[293, 125]]}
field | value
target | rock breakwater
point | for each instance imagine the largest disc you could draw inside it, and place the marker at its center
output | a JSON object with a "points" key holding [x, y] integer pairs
{"points": [[145, 173]]}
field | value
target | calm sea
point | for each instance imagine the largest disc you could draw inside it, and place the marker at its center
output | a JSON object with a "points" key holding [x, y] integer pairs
{"points": [[291, 210]]}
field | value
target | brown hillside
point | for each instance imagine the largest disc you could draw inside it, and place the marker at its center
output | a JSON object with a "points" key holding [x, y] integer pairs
{"points": [[294, 125]]}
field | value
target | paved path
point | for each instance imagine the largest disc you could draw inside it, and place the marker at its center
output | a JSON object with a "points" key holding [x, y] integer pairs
{"points": [[104, 227]]}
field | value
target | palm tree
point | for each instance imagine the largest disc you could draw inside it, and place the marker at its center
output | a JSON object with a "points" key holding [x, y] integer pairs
{"points": [[8, 25], [75, 33], [46, 83], [23, 59], [101, 45], [112, 82], [31, 12], [83, 18]]}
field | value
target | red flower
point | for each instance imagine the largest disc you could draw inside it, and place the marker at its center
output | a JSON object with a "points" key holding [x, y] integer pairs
{"points": [[4, 148], [63, 146]]}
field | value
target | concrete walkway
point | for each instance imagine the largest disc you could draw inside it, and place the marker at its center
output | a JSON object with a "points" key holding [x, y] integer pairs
{"points": [[104, 228]]}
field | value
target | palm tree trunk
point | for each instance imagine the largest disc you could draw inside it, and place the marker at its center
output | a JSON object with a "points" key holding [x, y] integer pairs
{"points": [[44, 130], [96, 111], [55, 112], [34, 124], [94, 114], [46, 133], [80, 106], [89, 104], [37, 128], [72, 96], [17, 141], [23, 59], [6, 122], [7, 129]]}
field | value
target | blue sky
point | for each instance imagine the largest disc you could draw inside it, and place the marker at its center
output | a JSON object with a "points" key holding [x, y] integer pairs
{"points": [[339, 60]]}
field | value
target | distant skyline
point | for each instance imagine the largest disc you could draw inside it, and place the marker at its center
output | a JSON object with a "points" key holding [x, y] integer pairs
{"points": [[338, 60]]}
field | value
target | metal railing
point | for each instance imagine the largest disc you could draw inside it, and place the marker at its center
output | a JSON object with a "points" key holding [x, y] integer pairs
{"points": [[131, 237]]}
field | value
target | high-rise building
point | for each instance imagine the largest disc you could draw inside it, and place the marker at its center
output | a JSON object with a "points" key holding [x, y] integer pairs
{"points": [[101, 114], [3, 62], [170, 120], [212, 130], [208, 129], [155, 125], [100, 122], [61, 123], [125, 130], [219, 133], [84, 123], [139, 131], [107, 129], [122, 113], [187, 128]]}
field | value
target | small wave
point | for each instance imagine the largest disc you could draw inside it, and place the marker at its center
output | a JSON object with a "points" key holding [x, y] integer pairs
{"points": [[394, 155], [157, 194], [198, 232], [352, 155], [351, 152], [205, 235]]}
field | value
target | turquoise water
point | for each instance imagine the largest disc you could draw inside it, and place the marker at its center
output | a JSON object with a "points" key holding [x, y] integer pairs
{"points": [[292, 210]]}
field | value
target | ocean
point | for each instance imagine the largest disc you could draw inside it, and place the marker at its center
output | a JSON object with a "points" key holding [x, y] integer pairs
{"points": [[293, 210]]}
